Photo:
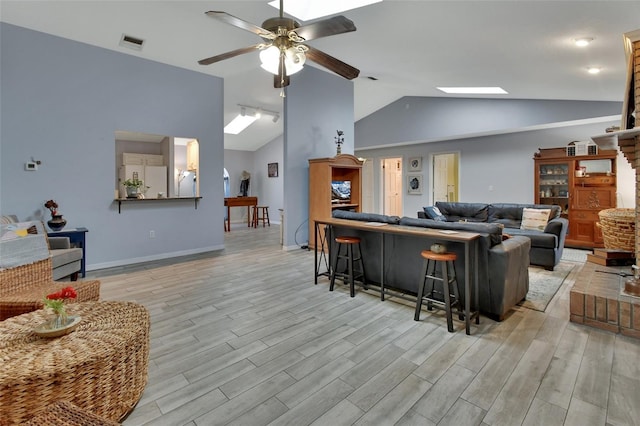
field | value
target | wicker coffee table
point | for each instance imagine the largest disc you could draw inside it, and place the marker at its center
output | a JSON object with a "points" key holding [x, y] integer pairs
{"points": [[100, 367]]}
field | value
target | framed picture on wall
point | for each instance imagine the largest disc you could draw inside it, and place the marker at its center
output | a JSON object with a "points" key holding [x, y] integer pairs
{"points": [[414, 184], [415, 164], [272, 169]]}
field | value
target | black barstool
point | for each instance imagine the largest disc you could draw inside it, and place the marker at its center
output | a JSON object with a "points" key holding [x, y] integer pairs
{"points": [[348, 243], [450, 296]]}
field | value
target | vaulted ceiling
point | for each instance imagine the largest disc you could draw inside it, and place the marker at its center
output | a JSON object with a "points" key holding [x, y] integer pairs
{"points": [[409, 47]]}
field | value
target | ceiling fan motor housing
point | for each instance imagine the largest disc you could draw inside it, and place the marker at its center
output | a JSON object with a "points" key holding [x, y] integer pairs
{"points": [[278, 25]]}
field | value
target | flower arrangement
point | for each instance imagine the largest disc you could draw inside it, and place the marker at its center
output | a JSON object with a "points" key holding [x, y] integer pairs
{"points": [[52, 206], [56, 301]]}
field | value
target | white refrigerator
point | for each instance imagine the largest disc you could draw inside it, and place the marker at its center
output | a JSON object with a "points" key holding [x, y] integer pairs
{"points": [[154, 177]]}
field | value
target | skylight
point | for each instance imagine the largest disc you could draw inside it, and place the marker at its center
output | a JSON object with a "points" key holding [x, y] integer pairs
{"points": [[306, 10], [239, 123], [473, 90]]}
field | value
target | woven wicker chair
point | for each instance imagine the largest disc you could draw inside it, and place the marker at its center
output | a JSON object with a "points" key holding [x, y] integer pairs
{"points": [[64, 413], [23, 288]]}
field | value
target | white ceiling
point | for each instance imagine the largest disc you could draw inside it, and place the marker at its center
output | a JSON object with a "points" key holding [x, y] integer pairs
{"points": [[411, 47]]}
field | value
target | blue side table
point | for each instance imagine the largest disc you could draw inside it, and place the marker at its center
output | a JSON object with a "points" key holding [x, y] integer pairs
{"points": [[76, 239]]}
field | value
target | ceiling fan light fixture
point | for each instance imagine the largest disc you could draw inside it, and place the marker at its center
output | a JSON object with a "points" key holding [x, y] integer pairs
{"points": [[294, 60], [269, 58]]}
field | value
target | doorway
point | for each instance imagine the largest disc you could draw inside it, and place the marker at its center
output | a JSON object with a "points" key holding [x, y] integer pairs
{"points": [[445, 180], [392, 186]]}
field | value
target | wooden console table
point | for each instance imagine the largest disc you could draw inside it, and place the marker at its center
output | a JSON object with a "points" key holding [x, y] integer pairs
{"points": [[242, 202], [322, 244]]}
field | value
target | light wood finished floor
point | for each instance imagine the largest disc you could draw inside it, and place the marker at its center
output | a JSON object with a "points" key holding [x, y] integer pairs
{"points": [[244, 337]]}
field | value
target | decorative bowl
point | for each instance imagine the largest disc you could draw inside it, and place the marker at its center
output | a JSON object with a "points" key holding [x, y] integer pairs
{"points": [[438, 248], [49, 330]]}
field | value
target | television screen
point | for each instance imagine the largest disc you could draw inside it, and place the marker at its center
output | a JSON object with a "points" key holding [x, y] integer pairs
{"points": [[340, 191]]}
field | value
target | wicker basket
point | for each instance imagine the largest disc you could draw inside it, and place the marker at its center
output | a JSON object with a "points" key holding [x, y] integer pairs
{"points": [[618, 229]]}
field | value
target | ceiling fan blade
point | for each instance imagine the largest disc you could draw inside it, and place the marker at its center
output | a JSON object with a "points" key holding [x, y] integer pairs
{"points": [[231, 54], [326, 27], [282, 79], [237, 22], [333, 64]]}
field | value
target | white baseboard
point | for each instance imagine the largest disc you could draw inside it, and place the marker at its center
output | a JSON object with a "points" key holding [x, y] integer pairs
{"points": [[131, 261]]}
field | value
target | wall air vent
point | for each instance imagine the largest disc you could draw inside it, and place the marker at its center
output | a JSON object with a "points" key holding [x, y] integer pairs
{"points": [[131, 42], [577, 148]]}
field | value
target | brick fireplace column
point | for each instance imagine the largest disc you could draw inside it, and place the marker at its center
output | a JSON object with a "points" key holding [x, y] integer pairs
{"points": [[628, 140], [633, 52]]}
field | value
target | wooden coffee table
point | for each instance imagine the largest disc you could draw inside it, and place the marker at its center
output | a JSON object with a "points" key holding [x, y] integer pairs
{"points": [[100, 367]]}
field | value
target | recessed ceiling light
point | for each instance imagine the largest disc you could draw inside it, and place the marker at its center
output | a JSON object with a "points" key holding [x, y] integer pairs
{"points": [[473, 90], [583, 42], [306, 10], [594, 70]]}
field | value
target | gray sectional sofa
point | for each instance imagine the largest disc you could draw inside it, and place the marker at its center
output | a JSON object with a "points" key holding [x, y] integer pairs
{"points": [[546, 245], [503, 265]]}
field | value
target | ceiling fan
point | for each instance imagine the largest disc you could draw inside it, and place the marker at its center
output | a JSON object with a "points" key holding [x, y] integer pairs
{"points": [[283, 51]]}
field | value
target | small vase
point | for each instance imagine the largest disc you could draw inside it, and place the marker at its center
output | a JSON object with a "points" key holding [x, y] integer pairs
{"points": [[60, 320], [57, 222]]}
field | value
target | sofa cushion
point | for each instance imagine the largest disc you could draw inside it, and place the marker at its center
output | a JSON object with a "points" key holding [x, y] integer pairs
{"points": [[510, 214], [434, 213], [534, 219], [493, 231], [538, 239], [472, 212], [365, 217], [6, 219]]}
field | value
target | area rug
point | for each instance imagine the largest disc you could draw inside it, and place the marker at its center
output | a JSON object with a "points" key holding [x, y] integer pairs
{"points": [[543, 284]]}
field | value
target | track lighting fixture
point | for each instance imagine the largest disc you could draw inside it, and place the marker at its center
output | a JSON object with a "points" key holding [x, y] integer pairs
{"points": [[248, 114]]}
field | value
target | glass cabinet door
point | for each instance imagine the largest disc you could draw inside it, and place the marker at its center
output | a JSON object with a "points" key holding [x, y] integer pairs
{"points": [[553, 184]]}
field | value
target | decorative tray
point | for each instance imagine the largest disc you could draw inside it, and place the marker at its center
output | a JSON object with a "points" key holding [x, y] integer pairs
{"points": [[49, 330]]}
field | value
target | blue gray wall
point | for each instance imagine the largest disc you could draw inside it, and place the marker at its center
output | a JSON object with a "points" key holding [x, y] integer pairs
{"points": [[268, 190], [317, 104], [496, 140], [424, 119], [496, 168], [61, 103]]}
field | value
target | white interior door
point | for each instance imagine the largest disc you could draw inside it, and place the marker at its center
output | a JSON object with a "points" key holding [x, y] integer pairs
{"points": [[392, 190], [367, 186], [445, 177]]}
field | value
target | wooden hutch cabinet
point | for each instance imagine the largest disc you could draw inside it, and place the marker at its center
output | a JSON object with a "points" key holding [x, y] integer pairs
{"points": [[582, 185], [326, 173]]}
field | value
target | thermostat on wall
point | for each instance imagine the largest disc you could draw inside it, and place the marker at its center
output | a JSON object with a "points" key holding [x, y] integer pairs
{"points": [[31, 166]]}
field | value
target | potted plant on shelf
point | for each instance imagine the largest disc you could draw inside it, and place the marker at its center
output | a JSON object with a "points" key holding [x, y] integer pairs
{"points": [[133, 187]]}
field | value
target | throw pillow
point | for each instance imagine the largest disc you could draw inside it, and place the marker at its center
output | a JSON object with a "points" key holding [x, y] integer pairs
{"points": [[434, 213], [535, 219]]}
